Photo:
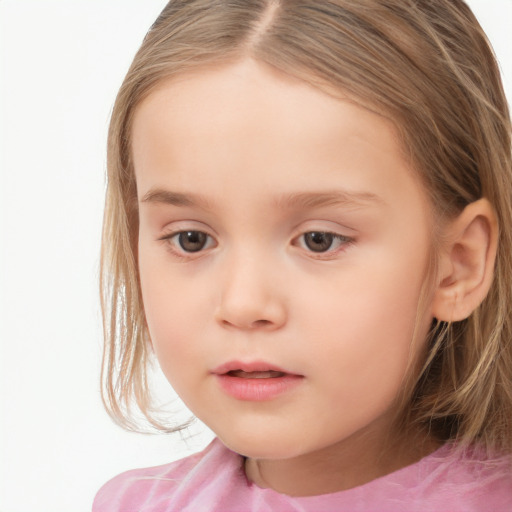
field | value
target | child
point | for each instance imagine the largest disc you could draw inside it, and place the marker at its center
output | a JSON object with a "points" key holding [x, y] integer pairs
{"points": [[308, 223]]}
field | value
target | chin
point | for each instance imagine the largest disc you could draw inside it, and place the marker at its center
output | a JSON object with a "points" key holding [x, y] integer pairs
{"points": [[255, 445]]}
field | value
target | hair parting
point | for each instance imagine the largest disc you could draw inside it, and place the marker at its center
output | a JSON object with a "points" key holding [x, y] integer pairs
{"points": [[426, 65]]}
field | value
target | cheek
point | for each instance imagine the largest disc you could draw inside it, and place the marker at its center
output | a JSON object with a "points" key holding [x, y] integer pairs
{"points": [[172, 329], [364, 323], [173, 312]]}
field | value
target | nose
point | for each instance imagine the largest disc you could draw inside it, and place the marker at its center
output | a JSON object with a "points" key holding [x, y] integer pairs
{"points": [[251, 296]]}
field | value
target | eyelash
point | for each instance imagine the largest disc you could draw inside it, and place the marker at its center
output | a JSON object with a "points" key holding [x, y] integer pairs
{"points": [[342, 243], [173, 244]]}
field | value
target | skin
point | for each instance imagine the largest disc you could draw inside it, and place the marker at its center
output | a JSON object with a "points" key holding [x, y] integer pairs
{"points": [[253, 142]]}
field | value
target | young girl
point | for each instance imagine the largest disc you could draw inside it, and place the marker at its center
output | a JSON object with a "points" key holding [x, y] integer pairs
{"points": [[308, 223]]}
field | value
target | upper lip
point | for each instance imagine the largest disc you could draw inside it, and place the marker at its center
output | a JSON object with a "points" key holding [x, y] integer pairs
{"points": [[249, 366]]}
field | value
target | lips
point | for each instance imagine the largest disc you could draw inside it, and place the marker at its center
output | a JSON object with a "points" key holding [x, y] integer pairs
{"points": [[250, 368], [255, 381], [270, 374]]}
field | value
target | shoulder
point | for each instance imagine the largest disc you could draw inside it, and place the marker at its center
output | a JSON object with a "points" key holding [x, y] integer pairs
{"points": [[448, 480], [161, 487], [465, 479]]}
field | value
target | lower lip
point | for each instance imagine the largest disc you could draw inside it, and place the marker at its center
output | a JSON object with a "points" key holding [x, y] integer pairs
{"points": [[258, 390]]}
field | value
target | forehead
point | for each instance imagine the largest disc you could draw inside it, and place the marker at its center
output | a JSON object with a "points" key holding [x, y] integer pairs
{"points": [[243, 95], [246, 125]]}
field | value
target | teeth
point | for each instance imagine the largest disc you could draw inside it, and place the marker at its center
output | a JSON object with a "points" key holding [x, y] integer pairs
{"points": [[269, 374]]}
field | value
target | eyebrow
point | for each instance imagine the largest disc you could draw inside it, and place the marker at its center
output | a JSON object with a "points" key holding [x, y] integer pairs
{"points": [[305, 200], [310, 200], [162, 196]]}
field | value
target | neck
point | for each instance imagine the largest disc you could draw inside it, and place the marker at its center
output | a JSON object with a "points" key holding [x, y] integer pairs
{"points": [[347, 464]]}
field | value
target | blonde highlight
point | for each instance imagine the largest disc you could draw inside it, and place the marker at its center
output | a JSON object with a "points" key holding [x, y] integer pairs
{"points": [[455, 129]]}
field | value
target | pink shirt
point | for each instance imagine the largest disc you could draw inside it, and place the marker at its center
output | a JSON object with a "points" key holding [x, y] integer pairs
{"points": [[214, 480]]}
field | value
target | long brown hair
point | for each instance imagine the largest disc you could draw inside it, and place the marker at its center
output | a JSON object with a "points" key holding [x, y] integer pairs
{"points": [[425, 64]]}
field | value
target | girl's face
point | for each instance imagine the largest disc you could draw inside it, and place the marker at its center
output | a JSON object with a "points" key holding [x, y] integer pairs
{"points": [[283, 244]]}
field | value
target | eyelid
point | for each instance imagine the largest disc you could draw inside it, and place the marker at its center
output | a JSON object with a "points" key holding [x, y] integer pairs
{"points": [[344, 242], [184, 225], [336, 236], [174, 248]]}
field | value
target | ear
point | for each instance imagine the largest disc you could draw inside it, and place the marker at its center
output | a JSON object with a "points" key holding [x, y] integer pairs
{"points": [[466, 262]]}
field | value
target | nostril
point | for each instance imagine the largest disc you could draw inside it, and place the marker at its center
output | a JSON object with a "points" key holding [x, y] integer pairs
{"points": [[261, 323], [256, 324]]}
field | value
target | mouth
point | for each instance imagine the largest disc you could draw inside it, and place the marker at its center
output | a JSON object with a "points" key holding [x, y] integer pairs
{"points": [[269, 374], [251, 369], [257, 381]]}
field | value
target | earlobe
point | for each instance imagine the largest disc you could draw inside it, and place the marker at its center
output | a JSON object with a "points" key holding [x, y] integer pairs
{"points": [[466, 262]]}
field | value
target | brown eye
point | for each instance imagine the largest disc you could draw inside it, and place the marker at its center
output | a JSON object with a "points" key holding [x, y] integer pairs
{"points": [[192, 241], [318, 241]]}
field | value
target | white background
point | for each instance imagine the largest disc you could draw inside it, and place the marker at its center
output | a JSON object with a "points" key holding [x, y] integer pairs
{"points": [[61, 63]]}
